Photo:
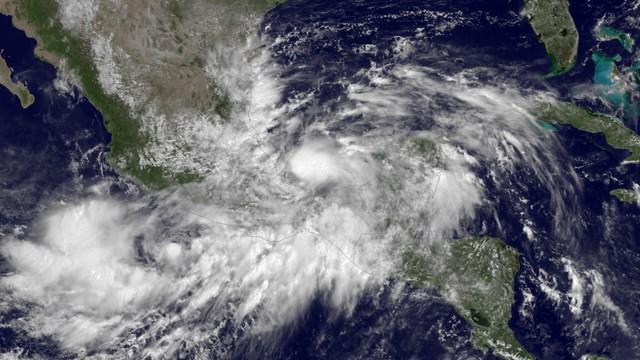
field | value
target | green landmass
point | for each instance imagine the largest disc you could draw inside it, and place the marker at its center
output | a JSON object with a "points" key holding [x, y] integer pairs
{"points": [[606, 33], [554, 26], [476, 276], [616, 133], [629, 196], [128, 142], [427, 149], [16, 88]]}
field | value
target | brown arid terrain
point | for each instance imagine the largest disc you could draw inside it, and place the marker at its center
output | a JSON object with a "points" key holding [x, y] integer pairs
{"points": [[157, 70], [16, 87]]}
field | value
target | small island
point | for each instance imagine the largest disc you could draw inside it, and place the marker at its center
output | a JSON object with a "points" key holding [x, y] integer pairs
{"points": [[607, 33], [629, 196]]}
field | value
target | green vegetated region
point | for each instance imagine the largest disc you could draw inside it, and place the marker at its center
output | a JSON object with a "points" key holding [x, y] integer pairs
{"points": [[248, 6], [260, 6], [128, 142], [476, 276], [616, 87], [616, 133], [554, 26], [427, 149], [629, 196]]}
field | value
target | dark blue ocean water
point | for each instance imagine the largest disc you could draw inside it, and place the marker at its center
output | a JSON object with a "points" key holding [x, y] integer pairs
{"points": [[52, 149], [316, 42], [59, 137], [45, 149]]}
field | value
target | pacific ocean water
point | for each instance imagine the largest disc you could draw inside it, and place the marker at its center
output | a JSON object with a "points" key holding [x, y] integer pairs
{"points": [[57, 146], [48, 152]]}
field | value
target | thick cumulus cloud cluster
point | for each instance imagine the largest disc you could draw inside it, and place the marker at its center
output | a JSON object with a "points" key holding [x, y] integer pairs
{"points": [[319, 162], [100, 270], [83, 271], [76, 14], [288, 216]]}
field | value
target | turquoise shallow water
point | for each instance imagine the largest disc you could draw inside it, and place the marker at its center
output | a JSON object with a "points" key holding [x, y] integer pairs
{"points": [[547, 126], [609, 33], [412, 323], [604, 68], [615, 92]]}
